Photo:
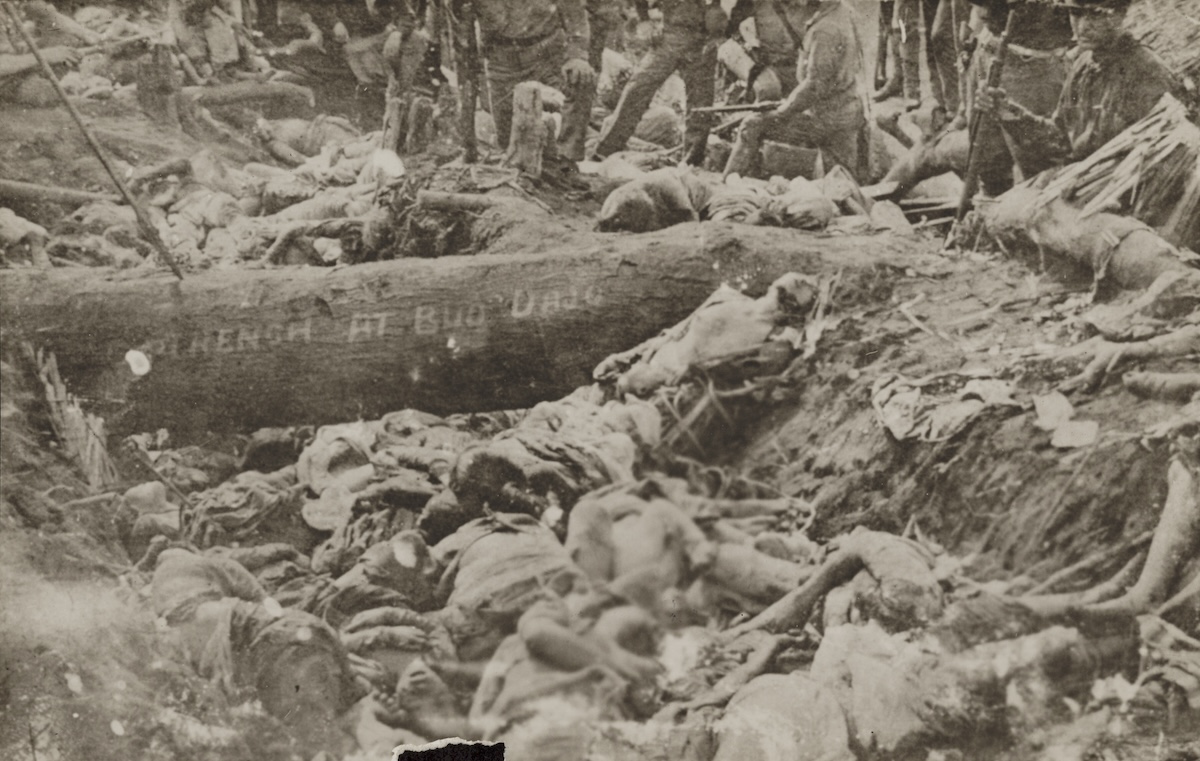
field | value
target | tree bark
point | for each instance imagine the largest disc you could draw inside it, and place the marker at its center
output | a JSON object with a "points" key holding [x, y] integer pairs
{"points": [[158, 87], [529, 137], [253, 348]]}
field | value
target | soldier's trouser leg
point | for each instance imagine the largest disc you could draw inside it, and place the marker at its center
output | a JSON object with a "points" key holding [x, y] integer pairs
{"points": [[887, 36], [836, 133], [699, 77], [410, 63], [906, 25], [540, 63], [654, 68], [942, 56], [502, 79]]}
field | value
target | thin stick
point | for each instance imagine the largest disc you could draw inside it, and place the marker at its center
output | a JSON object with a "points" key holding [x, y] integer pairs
{"points": [[147, 229]]}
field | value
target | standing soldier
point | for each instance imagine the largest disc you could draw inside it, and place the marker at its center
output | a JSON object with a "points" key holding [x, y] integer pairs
{"points": [[1033, 75], [827, 108], [692, 30], [540, 40]]}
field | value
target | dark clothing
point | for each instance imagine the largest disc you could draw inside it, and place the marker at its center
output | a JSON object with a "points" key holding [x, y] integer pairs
{"points": [[531, 40], [604, 17], [1105, 92], [687, 50], [687, 47], [829, 67], [827, 109], [1034, 71], [941, 52], [906, 33], [511, 64], [1040, 26], [778, 49], [517, 22]]}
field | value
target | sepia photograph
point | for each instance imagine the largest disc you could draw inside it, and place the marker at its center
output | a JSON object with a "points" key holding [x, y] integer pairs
{"points": [[600, 380]]}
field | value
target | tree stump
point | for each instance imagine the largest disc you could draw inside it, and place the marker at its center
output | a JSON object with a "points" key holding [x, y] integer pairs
{"points": [[529, 133], [158, 88], [420, 125], [393, 124]]}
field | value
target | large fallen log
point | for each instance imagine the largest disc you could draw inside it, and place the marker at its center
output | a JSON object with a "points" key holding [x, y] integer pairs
{"points": [[252, 348]]}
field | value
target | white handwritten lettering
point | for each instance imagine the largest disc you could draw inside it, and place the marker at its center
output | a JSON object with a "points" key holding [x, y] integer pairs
{"points": [[248, 339], [520, 310], [300, 329], [425, 321]]}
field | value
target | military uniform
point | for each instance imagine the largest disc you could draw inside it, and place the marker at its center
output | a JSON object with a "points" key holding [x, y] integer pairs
{"points": [[1033, 77], [1105, 92], [689, 46], [775, 23], [532, 40], [827, 109]]}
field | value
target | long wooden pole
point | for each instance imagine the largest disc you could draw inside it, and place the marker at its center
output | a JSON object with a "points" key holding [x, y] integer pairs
{"points": [[145, 226]]}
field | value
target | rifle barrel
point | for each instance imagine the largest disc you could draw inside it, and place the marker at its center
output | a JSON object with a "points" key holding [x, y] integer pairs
{"points": [[995, 72], [766, 105]]}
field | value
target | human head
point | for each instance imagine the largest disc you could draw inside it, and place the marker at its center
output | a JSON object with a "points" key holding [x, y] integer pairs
{"points": [[1097, 24], [402, 563]]}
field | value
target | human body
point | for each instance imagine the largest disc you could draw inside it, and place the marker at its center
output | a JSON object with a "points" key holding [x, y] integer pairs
{"points": [[20, 73]]}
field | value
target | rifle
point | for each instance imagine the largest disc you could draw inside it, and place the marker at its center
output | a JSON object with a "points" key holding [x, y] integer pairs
{"points": [[758, 107], [995, 71]]}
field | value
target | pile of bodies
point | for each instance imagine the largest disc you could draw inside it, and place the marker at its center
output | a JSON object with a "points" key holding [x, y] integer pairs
{"points": [[560, 580]]}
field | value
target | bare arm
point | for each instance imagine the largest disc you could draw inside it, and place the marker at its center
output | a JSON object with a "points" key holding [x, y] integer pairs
{"points": [[17, 64], [25, 62]]}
